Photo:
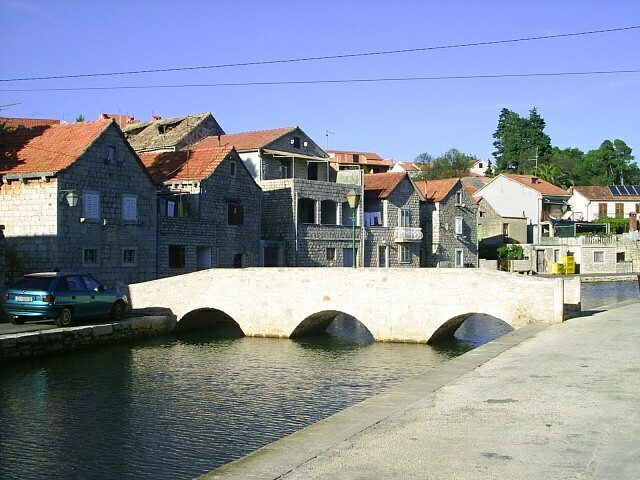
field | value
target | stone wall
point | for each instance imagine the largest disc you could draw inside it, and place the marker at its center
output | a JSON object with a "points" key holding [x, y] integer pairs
{"points": [[441, 241], [43, 232], [589, 265], [44, 342]]}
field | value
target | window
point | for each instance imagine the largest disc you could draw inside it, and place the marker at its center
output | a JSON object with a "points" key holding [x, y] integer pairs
{"points": [[331, 254], [111, 154], [405, 217], [312, 171], [92, 284], [296, 142], [235, 214], [179, 205], [602, 210], [232, 169], [556, 255], [459, 226], [382, 256], [328, 212], [505, 232], [177, 256], [458, 198], [619, 210], [480, 165], [459, 258], [129, 257], [90, 256], [598, 256], [637, 207], [306, 210], [130, 208], [405, 254], [90, 205], [482, 214]]}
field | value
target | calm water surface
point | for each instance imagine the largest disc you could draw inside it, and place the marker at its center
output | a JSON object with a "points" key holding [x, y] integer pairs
{"points": [[179, 407]]}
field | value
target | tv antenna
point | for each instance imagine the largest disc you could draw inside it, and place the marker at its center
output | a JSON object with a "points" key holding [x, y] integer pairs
{"points": [[327, 133]]}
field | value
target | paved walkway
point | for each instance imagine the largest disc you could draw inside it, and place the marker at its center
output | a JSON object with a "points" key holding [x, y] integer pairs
{"points": [[543, 402]]}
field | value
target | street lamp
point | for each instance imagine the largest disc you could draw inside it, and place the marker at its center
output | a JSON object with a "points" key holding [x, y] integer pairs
{"points": [[354, 200]]}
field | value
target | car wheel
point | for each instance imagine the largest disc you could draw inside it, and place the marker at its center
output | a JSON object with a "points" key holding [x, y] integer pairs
{"points": [[16, 320], [65, 318], [117, 312]]}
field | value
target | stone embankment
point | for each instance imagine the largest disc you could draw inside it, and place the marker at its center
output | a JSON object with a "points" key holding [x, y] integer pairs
{"points": [[25, 345]]}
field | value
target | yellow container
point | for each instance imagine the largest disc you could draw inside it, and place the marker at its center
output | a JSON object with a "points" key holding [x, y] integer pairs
{"points": [[569, 265], [557, 269]]}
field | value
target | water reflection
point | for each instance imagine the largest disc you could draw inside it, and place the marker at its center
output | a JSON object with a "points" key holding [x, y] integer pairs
{"points": [[598, 294]]}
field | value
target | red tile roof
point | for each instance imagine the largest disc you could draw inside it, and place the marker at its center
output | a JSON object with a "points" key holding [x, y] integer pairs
{"points": [[382, 183], [537, 184], [414, 166], [598, 192], [470, 188], [28, 122], [195, 164], [346, 156], [245, 140], [436, 190], [47, 149]]}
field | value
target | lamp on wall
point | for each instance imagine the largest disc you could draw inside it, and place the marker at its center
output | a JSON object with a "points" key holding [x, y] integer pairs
{"points": [[70, 196]]}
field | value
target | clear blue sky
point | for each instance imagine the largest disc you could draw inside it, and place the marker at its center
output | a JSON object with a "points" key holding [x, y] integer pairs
{"points": [[395, 119]]}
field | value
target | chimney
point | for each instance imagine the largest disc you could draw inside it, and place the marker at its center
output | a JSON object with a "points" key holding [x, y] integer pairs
{"points": [[104, 116], [155, 117], [534, 180], [633, 222]]}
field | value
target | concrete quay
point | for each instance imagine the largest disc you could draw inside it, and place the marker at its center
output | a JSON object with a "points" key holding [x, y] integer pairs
{"points": [[543, 402]]}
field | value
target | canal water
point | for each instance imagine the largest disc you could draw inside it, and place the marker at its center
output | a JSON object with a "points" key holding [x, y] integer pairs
{"points": [[177, 407]]}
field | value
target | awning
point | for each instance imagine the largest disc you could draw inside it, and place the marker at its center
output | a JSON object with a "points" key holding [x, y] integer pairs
{"points": [[277, 153]]}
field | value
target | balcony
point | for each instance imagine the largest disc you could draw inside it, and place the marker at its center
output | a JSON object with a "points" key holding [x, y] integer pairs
{"points": [[407, 234]]}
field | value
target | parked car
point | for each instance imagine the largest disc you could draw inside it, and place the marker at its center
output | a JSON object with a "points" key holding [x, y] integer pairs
{"points": [[62, 297]]}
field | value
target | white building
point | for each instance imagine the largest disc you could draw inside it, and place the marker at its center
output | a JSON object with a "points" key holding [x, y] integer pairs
{"points": [[541, 202], [594, 202]]}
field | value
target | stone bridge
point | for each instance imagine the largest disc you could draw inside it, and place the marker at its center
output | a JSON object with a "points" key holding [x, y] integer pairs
{"points": [[395, 305]]}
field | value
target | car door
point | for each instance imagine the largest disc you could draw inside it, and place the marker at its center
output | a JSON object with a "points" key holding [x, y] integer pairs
{"points": [[100, 301], [79, 296]]}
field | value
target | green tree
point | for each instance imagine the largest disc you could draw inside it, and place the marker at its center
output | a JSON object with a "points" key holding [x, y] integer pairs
{"points": [[80, 118], [611, 164], [450, 164], [566, 161], [520, 142]]}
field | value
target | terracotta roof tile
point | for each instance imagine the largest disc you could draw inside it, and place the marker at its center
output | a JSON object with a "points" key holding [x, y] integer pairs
{"points": [[28, 122], [47, 149], [245, 140], [194, 164], [382, 183], [346, 156], [436, 190], [536, 184], [598, 192], [414, 166]]}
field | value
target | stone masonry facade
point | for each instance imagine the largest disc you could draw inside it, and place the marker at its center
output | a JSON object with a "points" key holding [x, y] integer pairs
{"points": [[441, 241]]}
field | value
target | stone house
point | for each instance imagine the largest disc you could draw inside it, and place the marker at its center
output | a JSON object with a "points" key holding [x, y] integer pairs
{"points": [[306, 220], [495, 231], [170, 134], [392, 234], [449, 217], [76, 197], [591, 203], [209, 210], [541, 202]]}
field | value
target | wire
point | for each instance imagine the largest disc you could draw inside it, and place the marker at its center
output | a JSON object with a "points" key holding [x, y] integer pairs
{"points": [[315, 82], [327, 57]]}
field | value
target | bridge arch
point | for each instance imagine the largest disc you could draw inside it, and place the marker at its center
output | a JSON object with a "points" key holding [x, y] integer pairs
{"points": [[447, 330], [319, 322], [209, 319]]}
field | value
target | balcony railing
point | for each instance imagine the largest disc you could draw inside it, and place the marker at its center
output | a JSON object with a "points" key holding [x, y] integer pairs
{"points": [[407, 234]]}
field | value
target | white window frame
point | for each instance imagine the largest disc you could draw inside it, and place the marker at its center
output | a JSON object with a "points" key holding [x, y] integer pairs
{"points": [[130, 208], [91, 205], [459, 253], [458, 198], [459, 226], [86, 263], [404, 217], [598, 256], [404, 254]]}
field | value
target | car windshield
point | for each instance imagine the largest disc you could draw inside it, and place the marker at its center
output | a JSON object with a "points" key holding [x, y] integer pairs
{"points": [[33, 283]]}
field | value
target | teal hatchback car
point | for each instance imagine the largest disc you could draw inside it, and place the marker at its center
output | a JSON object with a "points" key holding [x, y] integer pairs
{"points": [[62, 297]]}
